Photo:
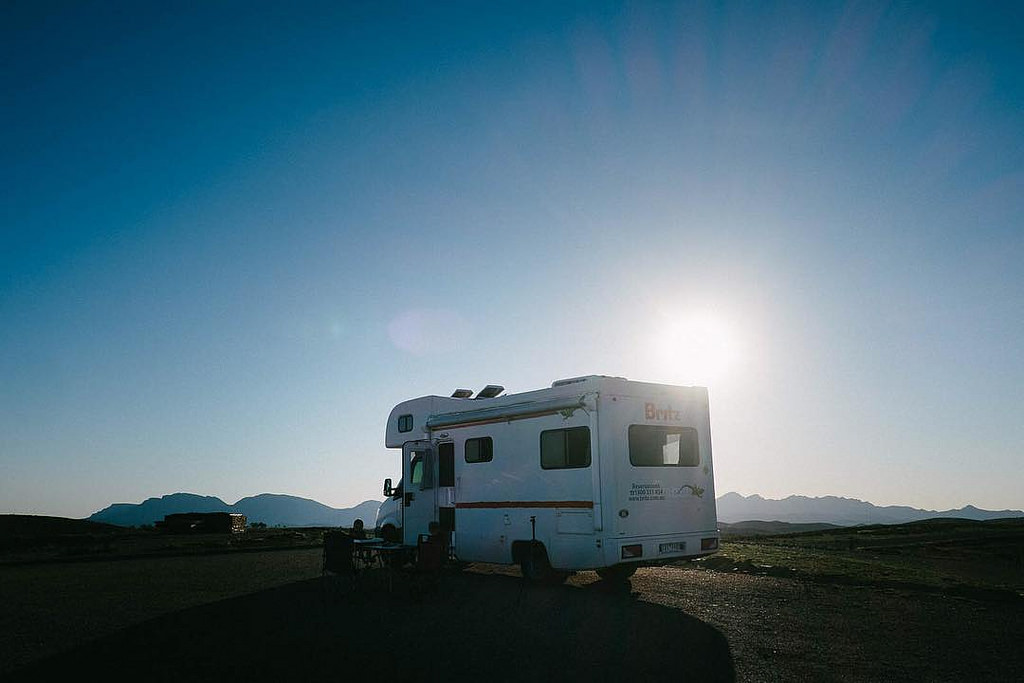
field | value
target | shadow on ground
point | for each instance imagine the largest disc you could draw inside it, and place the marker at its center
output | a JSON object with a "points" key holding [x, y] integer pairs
{"points": [[470, 626]]}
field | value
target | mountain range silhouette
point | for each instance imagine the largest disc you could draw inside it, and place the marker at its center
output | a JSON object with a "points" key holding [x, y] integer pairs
{"points": [[732, 508], [283, 510], [272, 509]]}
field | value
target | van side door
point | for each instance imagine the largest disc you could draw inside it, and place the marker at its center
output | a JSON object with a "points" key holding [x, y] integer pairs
{"points": [[419, 476]]}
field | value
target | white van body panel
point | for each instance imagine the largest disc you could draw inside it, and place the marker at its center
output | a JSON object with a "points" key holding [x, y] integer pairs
{"points": [[583, 515]]}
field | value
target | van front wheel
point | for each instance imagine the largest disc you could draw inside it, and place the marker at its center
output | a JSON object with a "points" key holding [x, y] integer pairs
{"points": [[617, 573]]}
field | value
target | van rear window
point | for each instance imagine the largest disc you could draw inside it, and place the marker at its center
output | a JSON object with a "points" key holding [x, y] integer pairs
{"points": [[656, 446]]}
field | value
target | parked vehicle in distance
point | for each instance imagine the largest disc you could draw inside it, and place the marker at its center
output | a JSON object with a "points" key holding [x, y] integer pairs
{"points": [[594, 472]]}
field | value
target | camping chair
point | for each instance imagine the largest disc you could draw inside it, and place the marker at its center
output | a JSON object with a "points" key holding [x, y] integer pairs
{"points": [[338, 557], [429, 554], [430, 559]]}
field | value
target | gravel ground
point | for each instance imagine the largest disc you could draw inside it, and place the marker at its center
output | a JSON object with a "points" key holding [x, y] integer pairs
{"points": [[269, 616], [783, 629]]}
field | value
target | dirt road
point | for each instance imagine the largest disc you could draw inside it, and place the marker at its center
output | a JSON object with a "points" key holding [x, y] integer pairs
{"points": [[672, 623]]}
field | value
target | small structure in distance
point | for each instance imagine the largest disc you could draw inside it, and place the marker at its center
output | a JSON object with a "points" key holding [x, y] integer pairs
{"points": [[202, 523]]}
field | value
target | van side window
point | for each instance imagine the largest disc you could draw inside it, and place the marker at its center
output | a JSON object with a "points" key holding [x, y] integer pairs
{"points": [[416, 468], [656, 446], [479, 450], [421, 470], [565, 448], [405, 423], [427, 482]]}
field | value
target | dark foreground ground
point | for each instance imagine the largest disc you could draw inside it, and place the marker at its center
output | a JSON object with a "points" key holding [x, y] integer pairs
{"points": [[269, 616]]}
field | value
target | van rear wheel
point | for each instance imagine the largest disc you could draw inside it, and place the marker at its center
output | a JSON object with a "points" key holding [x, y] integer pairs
{"points": [[617, 573], [535, 565]]}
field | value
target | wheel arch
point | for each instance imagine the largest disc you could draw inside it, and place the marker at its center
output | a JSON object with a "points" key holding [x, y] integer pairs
{"points": [[521, 549]]}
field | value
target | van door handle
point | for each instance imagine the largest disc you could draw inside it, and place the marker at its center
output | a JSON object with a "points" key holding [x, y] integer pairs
{"points": [[409, 498]]}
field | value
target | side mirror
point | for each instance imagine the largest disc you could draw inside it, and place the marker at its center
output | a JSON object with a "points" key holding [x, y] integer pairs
{"points": [[388, 491]]}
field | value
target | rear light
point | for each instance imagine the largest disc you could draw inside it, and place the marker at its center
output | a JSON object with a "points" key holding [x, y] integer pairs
{"points": [[632, 551], [709, 544]]}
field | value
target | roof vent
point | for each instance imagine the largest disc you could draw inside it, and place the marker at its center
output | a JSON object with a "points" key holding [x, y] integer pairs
{"points": [[571, 380], [584, 378], [462, 393], [490, 391]]}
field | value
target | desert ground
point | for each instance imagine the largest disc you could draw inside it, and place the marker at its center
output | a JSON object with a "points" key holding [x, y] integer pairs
{"points": [[270, 615]]}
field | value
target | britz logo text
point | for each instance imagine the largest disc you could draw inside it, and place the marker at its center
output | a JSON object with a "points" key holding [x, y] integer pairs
{"points": [[653, 412]]}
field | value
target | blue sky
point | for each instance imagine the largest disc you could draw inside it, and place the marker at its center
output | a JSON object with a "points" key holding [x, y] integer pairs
{"points": [[234, 235]]}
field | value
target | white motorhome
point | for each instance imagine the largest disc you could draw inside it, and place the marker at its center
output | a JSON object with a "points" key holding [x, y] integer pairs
{"points": [[592, 473]]}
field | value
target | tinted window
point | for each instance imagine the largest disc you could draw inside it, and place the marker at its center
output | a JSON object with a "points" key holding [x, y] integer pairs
{"points": [[479, 450], [446, 464], [651, 446], [565, 448]]}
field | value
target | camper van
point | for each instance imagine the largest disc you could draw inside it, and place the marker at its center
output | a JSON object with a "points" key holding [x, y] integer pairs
{"points": [[594, 473]]}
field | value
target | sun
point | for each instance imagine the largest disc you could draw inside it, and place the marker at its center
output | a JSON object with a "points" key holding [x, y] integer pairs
{"points": [[695, 346]]}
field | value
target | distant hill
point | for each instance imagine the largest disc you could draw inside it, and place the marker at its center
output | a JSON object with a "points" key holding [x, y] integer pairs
{"points": [[294, 511], [732, 508], [39, 525], [761, 528], [30, 536], [154, 509], [269, 508]]}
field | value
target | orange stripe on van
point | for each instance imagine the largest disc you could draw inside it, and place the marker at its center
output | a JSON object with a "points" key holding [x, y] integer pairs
{"points": [[588, 504]]}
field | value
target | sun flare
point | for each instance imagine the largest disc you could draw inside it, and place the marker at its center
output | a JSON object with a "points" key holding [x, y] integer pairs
{"points": [[695, 347]]}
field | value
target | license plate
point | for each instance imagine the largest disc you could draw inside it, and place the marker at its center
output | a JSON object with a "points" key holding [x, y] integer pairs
{"points": [[677, 547]]}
